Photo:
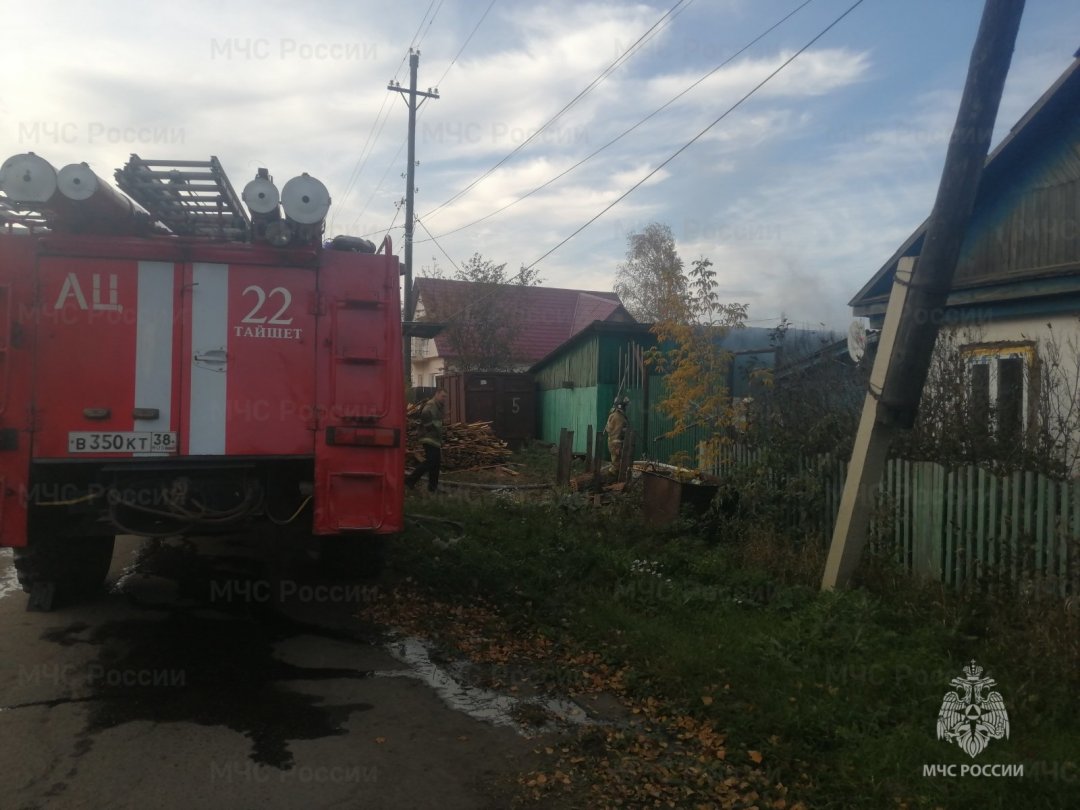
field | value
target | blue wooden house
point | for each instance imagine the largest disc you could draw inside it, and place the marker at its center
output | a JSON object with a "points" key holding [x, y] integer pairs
{"points": [[1017, 283]]}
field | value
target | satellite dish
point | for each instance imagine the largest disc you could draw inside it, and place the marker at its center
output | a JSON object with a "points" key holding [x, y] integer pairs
{"points": [[856, 340]]}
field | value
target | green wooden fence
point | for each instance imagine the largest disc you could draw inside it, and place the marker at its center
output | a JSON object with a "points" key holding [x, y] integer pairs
{"points": [[953, 524]]}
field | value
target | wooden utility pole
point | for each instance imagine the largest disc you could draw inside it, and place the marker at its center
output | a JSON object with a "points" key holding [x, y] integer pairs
{"points": [[413, 98], [919, 294]]}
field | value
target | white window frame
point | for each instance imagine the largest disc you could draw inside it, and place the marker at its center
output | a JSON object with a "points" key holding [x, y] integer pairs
{"points": [[988, 354]]}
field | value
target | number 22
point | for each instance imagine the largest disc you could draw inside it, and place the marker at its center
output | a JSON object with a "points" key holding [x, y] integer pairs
{"points": [[262, 295]]}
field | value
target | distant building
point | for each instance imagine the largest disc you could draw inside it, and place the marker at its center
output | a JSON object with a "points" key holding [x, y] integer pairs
{"points": [[545, 318], [578, 381]]}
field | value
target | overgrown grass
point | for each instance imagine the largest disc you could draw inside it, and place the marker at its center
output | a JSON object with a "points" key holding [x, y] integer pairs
{"points": [[839, 691]]}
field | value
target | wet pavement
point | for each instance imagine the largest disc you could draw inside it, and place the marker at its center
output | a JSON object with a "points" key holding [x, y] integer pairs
{"points": [[217, 678]]}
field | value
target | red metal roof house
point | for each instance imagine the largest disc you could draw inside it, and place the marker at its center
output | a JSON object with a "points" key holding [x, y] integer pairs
{"points": [[530, 322]]}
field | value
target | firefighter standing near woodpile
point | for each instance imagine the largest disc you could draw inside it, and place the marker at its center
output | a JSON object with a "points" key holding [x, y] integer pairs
{"points": [[617, 424], [431, 436]]}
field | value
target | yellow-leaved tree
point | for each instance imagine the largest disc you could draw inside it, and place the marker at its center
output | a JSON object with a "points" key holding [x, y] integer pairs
{"points": [[696, 366]]}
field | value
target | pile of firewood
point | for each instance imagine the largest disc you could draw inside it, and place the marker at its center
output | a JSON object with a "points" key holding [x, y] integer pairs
{"points": [[464, 446]]}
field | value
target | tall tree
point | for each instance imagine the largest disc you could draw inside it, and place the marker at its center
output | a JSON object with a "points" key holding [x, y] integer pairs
{"points": [[695, 364], [483, 319], [651, 278]]}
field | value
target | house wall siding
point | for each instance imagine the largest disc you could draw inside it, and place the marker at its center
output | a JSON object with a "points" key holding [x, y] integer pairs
{"points": [[570, 408], [578, 366], [1036, 229]]}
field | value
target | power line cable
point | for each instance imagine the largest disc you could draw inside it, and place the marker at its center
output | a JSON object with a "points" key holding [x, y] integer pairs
{"points": [[430, 22], [401, 146], [673, 12], [626, 132], [361, 161], [397, 210], [365, 154], [420, 222], [468, 39], [680, 150], [419, 28], [619, 61], [697, 137]]}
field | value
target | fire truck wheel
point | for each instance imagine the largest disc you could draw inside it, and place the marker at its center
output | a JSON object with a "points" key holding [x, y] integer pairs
{"points": [[354, 557], [76, 566]]}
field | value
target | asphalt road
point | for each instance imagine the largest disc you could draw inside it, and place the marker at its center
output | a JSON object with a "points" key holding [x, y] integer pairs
{"points": [[202, 680]]}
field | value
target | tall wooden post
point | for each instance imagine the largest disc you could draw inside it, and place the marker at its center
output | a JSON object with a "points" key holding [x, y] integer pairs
{"points": [[913, 315], [414, 98]]}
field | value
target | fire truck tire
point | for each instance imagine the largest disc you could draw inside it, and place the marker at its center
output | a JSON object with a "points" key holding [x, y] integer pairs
{"points": [[354, 557], [76, 566]]}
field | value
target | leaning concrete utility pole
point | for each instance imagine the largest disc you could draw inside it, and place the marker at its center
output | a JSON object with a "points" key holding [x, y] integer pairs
{"points": [[920, 292], [411, 94]]}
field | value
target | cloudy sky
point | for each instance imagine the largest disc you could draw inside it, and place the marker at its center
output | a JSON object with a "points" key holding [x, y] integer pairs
{"points": [[797, 196]]}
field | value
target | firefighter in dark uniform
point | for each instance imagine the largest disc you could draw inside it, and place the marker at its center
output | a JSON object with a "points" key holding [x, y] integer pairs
{"points": [[617, 423], [431, 436]]}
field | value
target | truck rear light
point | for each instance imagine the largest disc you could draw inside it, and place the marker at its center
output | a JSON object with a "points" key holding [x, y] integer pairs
{"points": [[363, 436], [145, 413], [96, 413]]}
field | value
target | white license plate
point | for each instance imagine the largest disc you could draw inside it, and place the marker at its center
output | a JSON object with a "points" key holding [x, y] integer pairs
{"points": [[139, 441]]}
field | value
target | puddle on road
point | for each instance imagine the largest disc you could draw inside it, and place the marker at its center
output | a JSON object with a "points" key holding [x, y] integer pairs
{"points": [[203, 661], [9, 580], [214, 672], [215, 664], [480, 704]]}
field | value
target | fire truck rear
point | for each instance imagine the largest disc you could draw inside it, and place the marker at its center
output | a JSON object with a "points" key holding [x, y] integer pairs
{"points": [[177, 362]]}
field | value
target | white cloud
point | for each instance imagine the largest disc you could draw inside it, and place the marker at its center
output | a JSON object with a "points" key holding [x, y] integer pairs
{"points": [[797, 196]]}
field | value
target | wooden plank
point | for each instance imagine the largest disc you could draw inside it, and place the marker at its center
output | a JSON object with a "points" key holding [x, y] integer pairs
{"points": [[955, 562], [1044, 553], [589, 449], [898, 512], [871, 449], [939, 533], [969, 535], [905, 513], [1029, 524], [949, 499], [920, 533], [598, 464], [1074, 531], [1063, 537], [627, 458], [909, 514], [1017, 517], [980, 527], [992, 553]]}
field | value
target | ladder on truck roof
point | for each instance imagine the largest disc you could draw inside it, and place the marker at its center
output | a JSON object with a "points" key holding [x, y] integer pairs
{"points": [[189, 197], [20, 214]]}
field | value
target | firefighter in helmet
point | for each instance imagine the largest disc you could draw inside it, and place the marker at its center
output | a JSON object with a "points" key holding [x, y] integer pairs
{"points": [[617, 424], [431, 431]]}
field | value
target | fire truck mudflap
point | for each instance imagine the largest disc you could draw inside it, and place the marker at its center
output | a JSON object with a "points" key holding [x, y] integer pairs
{"points": [[159, 384]]}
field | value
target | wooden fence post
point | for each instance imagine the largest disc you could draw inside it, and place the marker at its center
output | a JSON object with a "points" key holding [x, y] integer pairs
{"points": [[566, 456], [627, 457], [598, 460]]}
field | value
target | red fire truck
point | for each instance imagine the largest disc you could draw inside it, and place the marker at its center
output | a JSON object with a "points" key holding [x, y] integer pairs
{"points": [[171, 363]]}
